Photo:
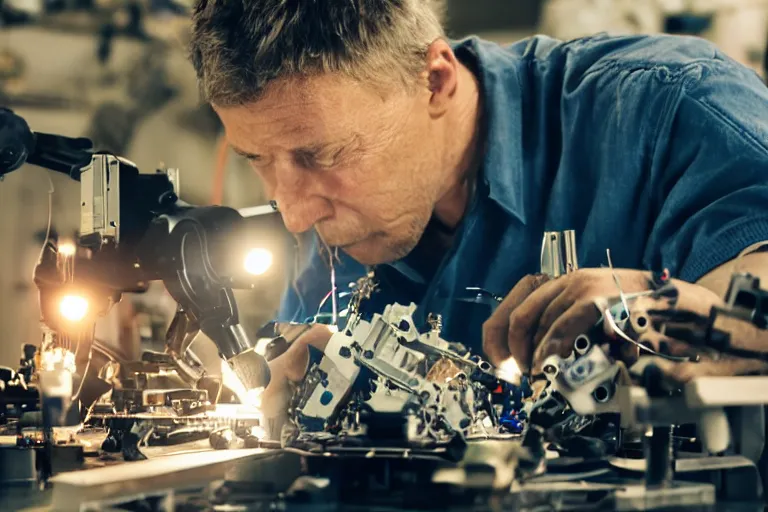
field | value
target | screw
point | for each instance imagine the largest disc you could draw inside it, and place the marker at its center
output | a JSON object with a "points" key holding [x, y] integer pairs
{"points": [[345, 352], [368, 354]]}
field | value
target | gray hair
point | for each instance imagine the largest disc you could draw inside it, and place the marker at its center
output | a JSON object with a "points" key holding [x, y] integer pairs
{"points": [[238, 47]]}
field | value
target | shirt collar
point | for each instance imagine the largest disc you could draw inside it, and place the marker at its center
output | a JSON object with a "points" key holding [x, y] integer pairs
{"points": [[499, 76]]}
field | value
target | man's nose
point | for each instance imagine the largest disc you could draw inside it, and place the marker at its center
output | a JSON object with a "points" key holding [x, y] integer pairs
{"points": [[296, 193], [301, 214]]}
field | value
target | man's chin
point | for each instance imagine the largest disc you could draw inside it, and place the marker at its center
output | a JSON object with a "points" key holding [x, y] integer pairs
{"points": [[372, 251]]}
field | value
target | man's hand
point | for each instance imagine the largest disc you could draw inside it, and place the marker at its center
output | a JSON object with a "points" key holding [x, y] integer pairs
{"points": [[542, 317], [291, 367]]}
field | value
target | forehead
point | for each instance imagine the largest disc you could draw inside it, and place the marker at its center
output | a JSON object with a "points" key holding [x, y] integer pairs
{"points": [[290, 112]]}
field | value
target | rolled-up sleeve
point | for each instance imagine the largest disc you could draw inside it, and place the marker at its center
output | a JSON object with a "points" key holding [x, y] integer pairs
{"points": [[709, 170]]}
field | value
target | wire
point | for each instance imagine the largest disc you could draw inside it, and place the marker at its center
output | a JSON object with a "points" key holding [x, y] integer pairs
{"points": [[48, 227], [334, 301], [618, 283], [615, 327], [322, 302]]}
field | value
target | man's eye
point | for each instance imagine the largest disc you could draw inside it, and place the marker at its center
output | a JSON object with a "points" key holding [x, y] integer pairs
{"points": [[313, 160]]}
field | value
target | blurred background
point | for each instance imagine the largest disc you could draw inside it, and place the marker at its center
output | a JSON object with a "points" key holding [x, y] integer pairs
{"points": [[116, 71]]}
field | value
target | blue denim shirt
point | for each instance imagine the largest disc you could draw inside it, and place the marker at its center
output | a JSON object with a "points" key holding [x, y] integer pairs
{"points": [[655, 147]]}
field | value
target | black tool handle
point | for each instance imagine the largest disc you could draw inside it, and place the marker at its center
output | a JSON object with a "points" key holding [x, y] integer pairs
{"points": [[19, 145]]}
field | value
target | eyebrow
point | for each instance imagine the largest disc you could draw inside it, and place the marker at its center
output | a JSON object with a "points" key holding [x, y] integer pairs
{"points": [[245, 154], [312, 149]]}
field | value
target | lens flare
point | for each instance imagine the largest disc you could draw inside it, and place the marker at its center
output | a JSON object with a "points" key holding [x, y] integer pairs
{"points": [[509, 371], [258, 261], [67, 249], [73, 307]]}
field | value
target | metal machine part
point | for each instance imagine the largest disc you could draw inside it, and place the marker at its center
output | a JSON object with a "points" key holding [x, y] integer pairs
{"points": [[590, 381], [385, 371], [100, 198], [149, 403], [138, 231], [558, 253]]}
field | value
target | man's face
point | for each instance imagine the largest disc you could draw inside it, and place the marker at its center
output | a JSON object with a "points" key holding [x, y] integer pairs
{"points": [[364, 167]]}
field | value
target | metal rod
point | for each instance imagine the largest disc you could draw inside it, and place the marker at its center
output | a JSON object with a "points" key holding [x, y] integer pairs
{"points": [[658, 457], [571, 258], [551, 254]]}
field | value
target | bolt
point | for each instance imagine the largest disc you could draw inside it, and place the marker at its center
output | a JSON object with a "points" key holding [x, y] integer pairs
{"points": [[368, 354], [345, 352], [404, 325]]}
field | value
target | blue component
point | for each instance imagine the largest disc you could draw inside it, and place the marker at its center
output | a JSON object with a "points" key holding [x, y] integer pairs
{"points": [[326, 397], [512, 424], [309, 424]]}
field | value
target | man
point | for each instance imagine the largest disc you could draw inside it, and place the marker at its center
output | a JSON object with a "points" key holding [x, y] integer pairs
{"points": [[443, 163]]}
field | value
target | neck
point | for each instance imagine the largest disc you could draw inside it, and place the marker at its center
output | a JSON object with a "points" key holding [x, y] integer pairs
{"points": [[465, 137]]}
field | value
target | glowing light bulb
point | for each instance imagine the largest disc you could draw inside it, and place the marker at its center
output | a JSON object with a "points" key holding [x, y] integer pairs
{"points": [[73, 307], [258, 261], [67, 249]]}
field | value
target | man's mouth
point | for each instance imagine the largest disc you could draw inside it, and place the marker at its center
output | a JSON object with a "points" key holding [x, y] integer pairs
{"points": [[345, 244]]}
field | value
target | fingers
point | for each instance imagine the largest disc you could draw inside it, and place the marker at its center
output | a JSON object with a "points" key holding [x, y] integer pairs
{"points": [[553, 311], [578, 319], [696, 298], [291, 365], [685, 372], [524, 321], [294, 361], [317, 336], [668, 346], [496, 328]]}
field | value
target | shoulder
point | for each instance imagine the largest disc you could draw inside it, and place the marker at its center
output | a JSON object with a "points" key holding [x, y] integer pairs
{"points": [[658, 74], [597, 68], [631, 52]]}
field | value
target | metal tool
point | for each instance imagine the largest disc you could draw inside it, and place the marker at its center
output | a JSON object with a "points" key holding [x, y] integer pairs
{"points": [[558, 253]]}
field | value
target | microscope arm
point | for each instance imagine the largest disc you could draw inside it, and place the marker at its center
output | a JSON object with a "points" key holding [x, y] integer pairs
{"points": [[19, 144], [188, 252]]}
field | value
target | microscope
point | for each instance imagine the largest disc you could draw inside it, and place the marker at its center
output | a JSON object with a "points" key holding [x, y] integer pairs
{"points": [[134, 230]]}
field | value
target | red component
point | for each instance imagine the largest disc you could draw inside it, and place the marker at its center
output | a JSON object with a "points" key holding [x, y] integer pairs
{"points": [[665, 275], [498, 390]]}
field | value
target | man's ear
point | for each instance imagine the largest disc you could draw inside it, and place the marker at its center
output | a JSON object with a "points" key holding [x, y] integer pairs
{"points": [[442, 76]]}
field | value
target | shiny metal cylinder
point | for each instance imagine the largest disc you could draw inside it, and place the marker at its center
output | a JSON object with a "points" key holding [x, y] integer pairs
{"points": [[558, 253], [571, 258], [551, 254]]}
